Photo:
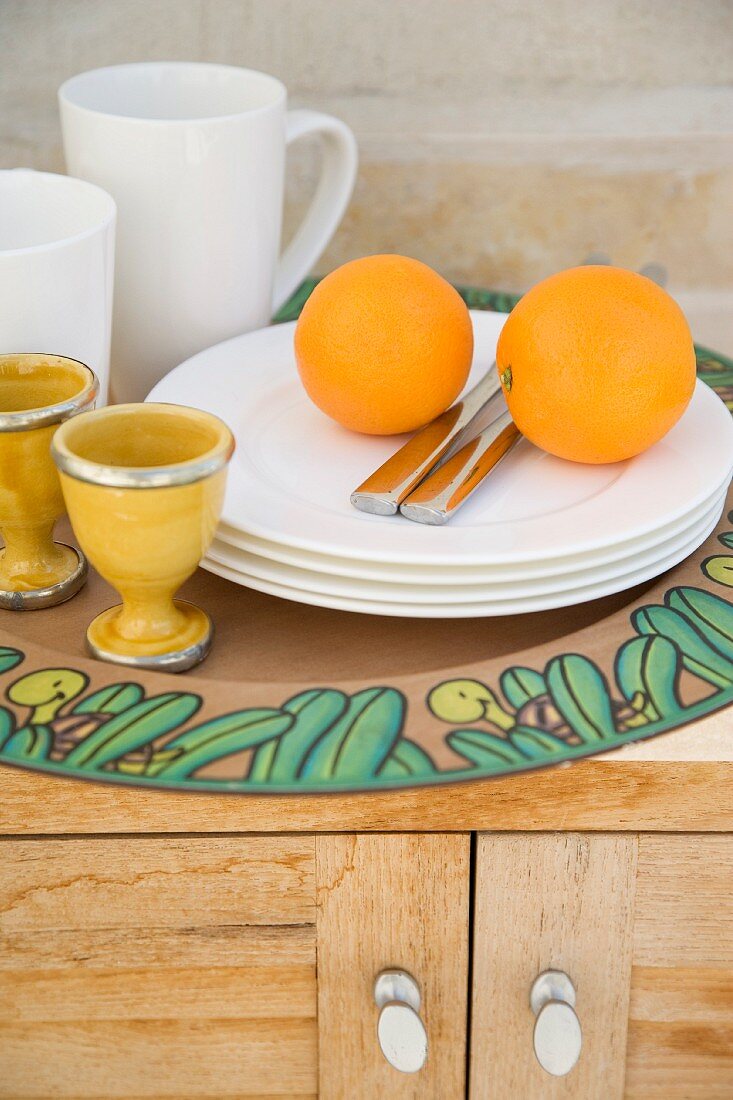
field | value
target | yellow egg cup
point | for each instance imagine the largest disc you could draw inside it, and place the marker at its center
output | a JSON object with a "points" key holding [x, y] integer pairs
{"points": [[37, 393], [144, 486]]}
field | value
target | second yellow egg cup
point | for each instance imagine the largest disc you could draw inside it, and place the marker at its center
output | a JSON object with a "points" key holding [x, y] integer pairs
{"points": [[144, 486]]}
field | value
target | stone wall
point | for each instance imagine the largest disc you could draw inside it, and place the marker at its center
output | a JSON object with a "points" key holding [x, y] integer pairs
{"points": [[499, 140]]}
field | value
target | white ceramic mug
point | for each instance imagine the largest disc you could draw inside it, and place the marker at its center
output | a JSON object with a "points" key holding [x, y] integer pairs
{"points": [[56, 268], [194, 155]]}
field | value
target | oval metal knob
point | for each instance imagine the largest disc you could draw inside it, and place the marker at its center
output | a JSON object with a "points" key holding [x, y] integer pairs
{"points": [[557, 1035], [402, 1036]]}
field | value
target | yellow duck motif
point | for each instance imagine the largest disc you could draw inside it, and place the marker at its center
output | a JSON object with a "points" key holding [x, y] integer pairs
{"points": [[468, 701], [46, 692], [461, 701]]}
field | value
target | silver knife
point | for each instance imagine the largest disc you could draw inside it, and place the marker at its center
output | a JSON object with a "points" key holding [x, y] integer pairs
{"points": [[384, 490], [436, 499]]}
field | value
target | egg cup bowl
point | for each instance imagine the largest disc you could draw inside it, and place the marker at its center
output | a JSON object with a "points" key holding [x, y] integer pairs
{"points": [[144, 486], [37, 393]]}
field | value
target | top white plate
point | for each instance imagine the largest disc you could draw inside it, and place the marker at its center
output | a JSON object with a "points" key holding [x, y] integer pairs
{"points": [[293, 469]]}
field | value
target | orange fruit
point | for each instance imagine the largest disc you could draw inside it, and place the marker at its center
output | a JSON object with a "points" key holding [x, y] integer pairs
{"points": [[383, 345], [597, 364]]}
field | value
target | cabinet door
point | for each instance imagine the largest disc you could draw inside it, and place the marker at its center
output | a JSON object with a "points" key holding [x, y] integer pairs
{"points": [[392, 901], [643, 926], [562, 902], [174, 967]]}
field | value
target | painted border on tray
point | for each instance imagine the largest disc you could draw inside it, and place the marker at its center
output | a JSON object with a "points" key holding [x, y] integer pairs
{"points": [[324, 739]]}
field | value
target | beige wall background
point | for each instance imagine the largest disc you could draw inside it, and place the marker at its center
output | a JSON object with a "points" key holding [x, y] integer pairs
{"points": [[500, 139]]}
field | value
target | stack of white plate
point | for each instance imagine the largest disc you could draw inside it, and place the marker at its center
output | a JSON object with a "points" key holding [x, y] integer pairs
{"points": [[539, 533]]}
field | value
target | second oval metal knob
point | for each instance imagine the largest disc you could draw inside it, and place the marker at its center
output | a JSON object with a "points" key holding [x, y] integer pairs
{"points": [[402, 1036], [557, 1035]]}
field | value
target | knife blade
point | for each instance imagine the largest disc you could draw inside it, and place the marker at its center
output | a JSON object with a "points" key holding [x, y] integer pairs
{"points": [[384, 490]]}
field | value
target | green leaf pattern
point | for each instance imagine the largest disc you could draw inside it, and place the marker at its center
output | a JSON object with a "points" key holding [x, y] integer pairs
{"points": [[323, 738]]}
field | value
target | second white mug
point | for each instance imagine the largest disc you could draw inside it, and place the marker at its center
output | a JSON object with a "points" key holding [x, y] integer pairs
{"points": [[57, 247], [194, 156]]}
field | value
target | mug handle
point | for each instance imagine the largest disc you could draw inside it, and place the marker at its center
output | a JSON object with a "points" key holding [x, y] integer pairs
{"points": [[338, 175]]}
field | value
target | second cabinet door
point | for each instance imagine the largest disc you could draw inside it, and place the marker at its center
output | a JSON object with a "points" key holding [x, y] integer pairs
{"points": [[643, 927]]}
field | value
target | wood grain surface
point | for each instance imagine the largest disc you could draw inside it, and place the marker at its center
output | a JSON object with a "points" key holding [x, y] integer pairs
{"points": [[560, 902], [391, 901], [606, 794], [148, 881], [680, 1041], [684, 901], [157, 967]]}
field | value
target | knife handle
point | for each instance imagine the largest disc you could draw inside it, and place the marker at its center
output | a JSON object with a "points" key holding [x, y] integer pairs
{"points": [[383, 491], [444, 491]]}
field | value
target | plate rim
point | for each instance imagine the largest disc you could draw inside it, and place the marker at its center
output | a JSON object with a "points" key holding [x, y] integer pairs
{"points": [[467, 610], [308, 583], [456, 573]]}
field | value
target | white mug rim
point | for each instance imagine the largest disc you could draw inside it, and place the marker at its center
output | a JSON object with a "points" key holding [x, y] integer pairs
{"points": [[70, 183], [66, 99]]}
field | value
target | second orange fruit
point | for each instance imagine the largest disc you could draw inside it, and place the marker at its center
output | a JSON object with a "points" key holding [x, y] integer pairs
{"points": [[597, 364], [384, 345]]}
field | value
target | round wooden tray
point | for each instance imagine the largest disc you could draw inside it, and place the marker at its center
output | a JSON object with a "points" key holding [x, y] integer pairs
{"points": [[297, 699]]}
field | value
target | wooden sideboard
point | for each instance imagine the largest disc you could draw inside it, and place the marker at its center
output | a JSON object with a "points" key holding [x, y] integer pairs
{"points": [[180, 945]]}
